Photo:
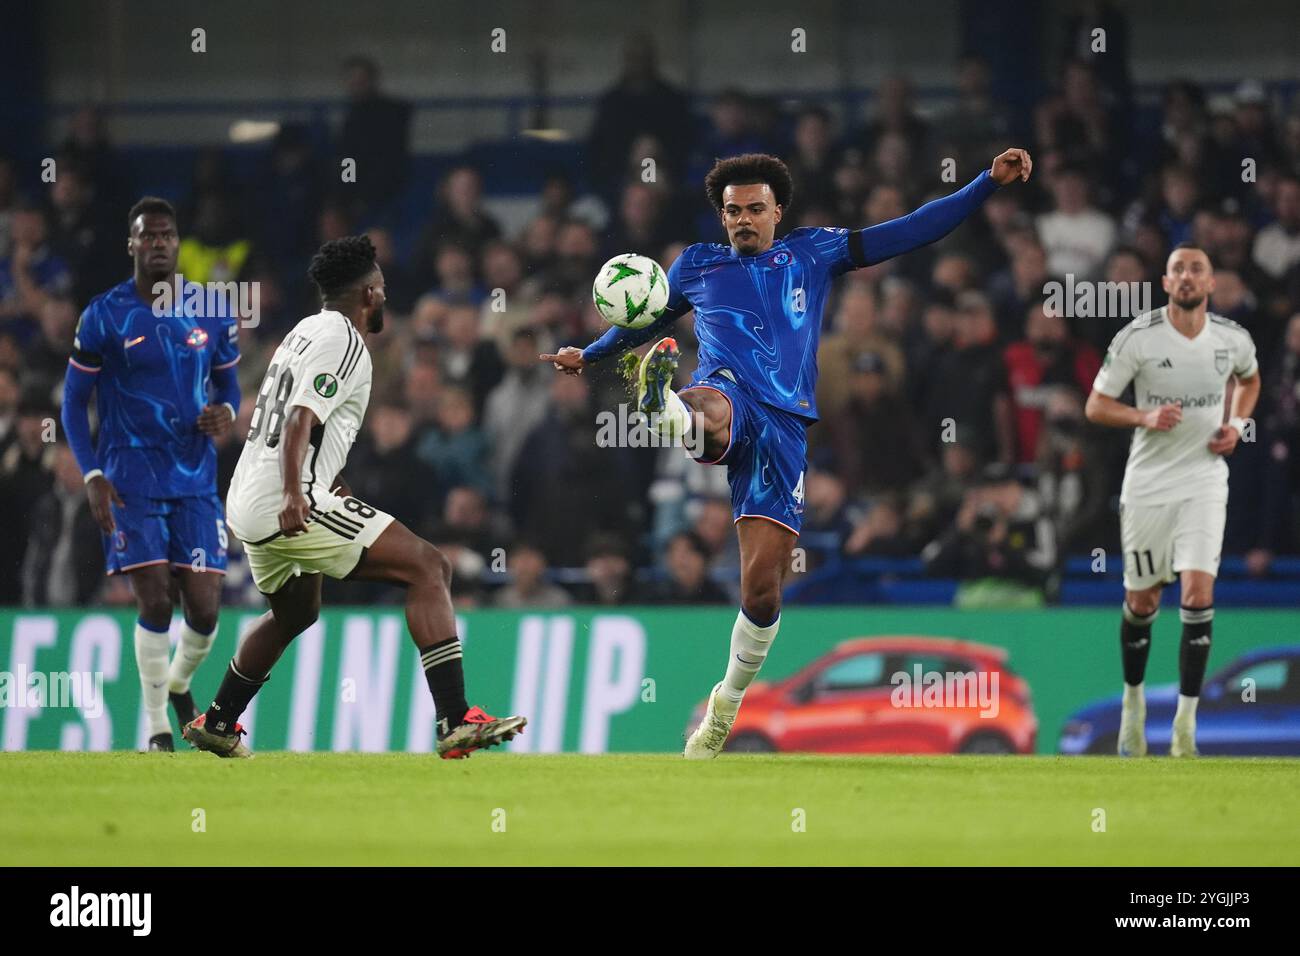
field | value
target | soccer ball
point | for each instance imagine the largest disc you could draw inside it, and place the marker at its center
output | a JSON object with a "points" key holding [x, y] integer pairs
{"points": [[630, 291]]}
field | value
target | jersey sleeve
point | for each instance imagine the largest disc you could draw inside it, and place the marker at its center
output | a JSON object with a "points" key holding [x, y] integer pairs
{"points": [[841, 249], [1247, 364], [88, 341], [1120, 365], [227, 351], [327, 373]]}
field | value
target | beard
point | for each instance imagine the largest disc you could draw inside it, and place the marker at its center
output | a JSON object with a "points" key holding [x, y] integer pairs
{"points": [[375, 321], [1188, 302]]}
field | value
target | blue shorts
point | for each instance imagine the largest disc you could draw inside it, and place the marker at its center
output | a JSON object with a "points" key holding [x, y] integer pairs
{"points": [[765, 457], [183, 532]]}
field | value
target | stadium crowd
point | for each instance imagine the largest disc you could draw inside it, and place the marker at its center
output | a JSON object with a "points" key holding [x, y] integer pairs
{"points": [[951, 385]]}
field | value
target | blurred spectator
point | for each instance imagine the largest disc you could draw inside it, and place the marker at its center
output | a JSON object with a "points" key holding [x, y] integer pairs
{"points": [[515, 406], [895, 115], [33, 272], [576, 259], [375, 133], [969, 385], [563, 482], [687, 569], [459, 219], [880, 533], [732, 130], [454, 281], [1076, 120], [85, 235], [856, 333], [422, 390], [511, 296], [640, 102], [468, 361], [26, 473], [977, 126], [215, 250], [384, 467], [1072, 479], [1277, 246], [47, 354], [456, 449], [64, 562], [88, 147], [1022, 283], [528, 587], [641, 224], [934, 500], [1002, 545], [609, 573], [826, 513], [877, 441], [1076, 235], [1045, 359], [290, 191], [466, 536], [813, 159]]}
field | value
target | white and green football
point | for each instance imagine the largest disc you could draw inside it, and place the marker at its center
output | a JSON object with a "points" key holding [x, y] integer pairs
{"points": [[630, 291]]}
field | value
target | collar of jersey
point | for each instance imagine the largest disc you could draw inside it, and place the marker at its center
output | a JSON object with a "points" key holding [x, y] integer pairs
{"points": [[735, 253]]}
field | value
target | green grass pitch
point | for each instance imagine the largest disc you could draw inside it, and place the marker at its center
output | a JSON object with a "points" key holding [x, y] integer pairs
{"points": [[501, 809]]}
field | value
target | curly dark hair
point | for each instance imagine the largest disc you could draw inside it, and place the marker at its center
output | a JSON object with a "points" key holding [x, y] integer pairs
{"points": [[340, 263], [747, 170]]}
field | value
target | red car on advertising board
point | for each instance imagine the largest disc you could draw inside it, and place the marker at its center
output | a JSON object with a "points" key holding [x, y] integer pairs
{"points": [[916, 695]]}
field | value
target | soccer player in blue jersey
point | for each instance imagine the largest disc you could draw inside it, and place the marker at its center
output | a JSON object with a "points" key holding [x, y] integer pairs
{"points": [[758, 314], [165, 385]]}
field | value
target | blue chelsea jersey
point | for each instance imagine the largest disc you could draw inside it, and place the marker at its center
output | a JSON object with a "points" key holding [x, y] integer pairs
{"points": [[760, 316], [152, 384]]}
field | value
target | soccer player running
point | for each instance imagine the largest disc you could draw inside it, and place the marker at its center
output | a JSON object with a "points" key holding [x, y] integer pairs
{"points": [[298, 520], [1174, 499], [165, 386], [758, 314]]}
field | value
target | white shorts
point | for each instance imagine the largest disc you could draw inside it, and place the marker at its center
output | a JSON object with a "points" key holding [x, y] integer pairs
{"points": [[1161, 540], [333, 545]]}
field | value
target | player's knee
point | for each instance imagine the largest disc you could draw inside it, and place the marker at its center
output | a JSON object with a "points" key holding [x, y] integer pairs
{"points": [[432, 567], [202, 619], [155, 610], [1143, 603], [1198, 596], [761, 602]]}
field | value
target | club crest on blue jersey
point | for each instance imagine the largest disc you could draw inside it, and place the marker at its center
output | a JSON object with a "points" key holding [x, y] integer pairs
{"points": [[197, 338], [781, 259], [119, 540]]}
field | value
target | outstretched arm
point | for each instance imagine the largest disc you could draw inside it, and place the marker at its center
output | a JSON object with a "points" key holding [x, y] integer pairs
{"points": [[936, 219]]}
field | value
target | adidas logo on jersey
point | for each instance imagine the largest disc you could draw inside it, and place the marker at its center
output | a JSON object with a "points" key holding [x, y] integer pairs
{"points": [[1165, 364]]}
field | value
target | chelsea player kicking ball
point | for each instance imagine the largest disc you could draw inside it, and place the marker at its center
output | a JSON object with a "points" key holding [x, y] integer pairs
{"points": [[630, 291]]}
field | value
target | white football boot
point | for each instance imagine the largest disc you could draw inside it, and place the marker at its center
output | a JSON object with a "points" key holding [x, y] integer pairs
{"points": [[1133, 723], [711, 736], [1183, 743]]}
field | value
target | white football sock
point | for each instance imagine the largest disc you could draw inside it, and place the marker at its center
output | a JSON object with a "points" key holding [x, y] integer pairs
{"points": [[676, 419], [1134, 695], [190, 653], [1186, 712], [151, 650], [749, 647]]}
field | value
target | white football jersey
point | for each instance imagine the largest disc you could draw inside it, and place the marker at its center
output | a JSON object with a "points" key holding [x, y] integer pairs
{"points": [[1167, 368], [323, 365]]}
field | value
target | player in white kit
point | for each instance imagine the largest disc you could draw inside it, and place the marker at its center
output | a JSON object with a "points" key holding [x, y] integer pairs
{"points": [[1180, 359], [297, 519]]}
